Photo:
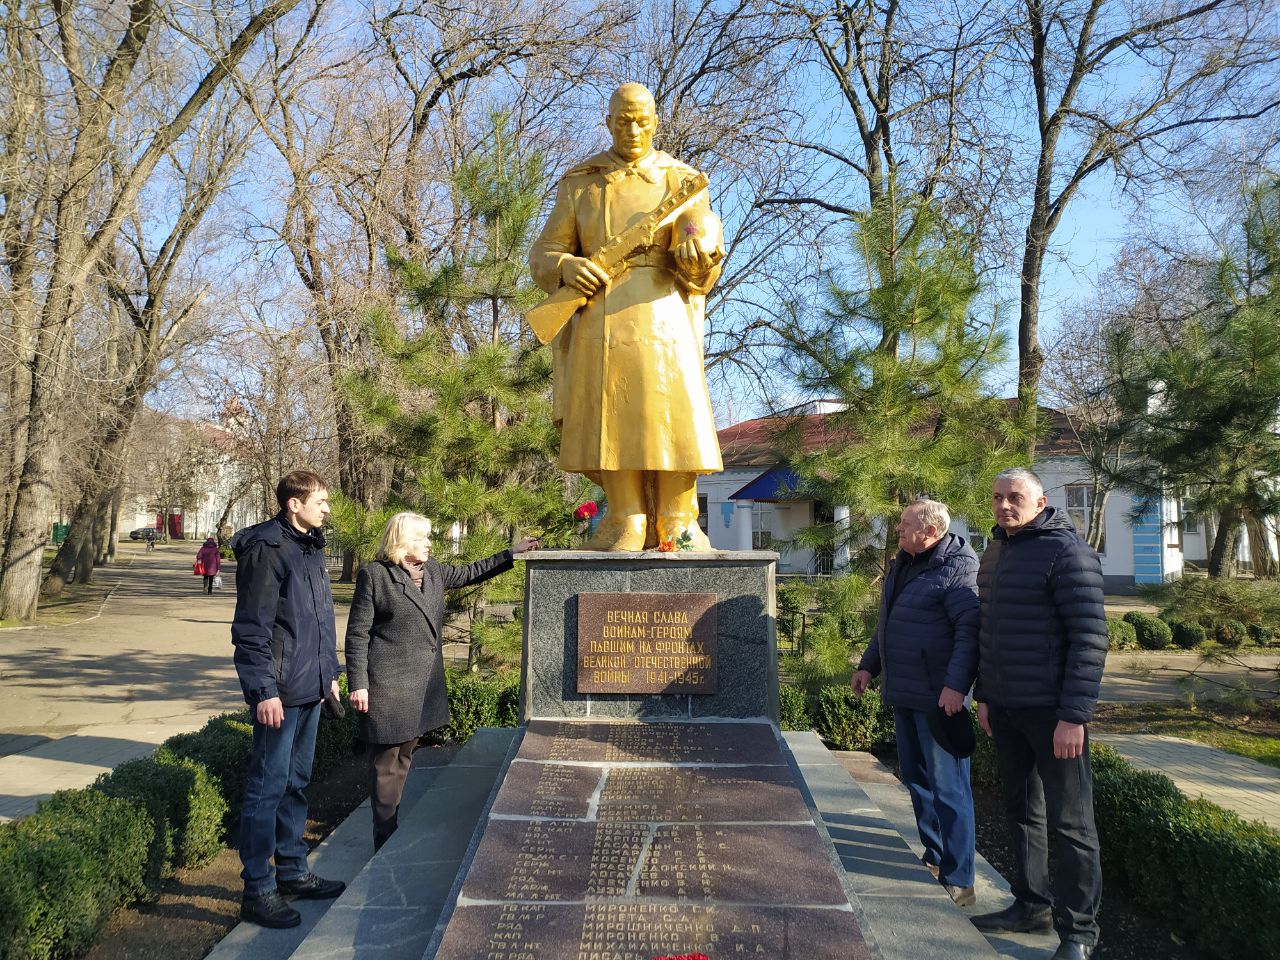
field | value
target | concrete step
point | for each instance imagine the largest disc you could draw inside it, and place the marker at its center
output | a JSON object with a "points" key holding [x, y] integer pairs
{"points": [[435, 799], [868, 813], [390, 907]]}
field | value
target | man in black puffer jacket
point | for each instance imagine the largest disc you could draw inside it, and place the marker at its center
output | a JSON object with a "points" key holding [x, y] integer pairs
{"points": [[1042, 645], [926, 645], [286, 655]]}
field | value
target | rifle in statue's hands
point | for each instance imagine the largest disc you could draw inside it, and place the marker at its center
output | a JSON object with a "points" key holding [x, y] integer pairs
{"points": [[550, 316]]}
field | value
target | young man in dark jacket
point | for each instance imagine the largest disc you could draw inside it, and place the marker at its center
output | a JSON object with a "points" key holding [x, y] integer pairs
{"points": [[286, 657], [1042, 645], [926, 645]]}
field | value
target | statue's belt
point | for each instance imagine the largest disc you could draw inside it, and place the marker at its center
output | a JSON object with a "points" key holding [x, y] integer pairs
{"points": [[651, 257]]}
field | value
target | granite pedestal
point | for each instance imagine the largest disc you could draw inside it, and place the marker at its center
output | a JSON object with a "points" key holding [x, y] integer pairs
{"points": [[745, 639]]}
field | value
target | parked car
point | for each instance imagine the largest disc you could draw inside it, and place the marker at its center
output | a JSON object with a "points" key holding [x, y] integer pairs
{"points": [[144, 533]]}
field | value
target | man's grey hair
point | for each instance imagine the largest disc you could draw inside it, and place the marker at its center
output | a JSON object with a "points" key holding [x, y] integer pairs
{"points": [[933, 513], [1025, 477]]}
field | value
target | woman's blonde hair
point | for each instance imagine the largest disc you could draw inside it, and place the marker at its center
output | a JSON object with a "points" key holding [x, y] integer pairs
{"points": [[400, 529]]}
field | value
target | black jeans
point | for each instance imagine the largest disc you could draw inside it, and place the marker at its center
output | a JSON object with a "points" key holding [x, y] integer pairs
{"points": [[1042, 796]]}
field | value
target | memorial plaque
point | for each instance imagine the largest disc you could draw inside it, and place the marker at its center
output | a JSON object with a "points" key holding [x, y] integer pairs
{"points": [[543, 860], [753, 743], [647, 643], [547, 790], [761, 864], [640, 931], [699, 794]]}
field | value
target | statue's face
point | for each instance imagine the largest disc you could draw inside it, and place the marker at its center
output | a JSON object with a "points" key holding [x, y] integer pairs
{"points": [[633, 124]]}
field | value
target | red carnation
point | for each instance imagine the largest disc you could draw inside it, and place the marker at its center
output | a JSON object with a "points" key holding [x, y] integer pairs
{"points": [[586, 511]]}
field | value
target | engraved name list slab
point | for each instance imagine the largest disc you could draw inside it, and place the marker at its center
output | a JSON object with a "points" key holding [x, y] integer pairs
{"points": [[647, 643]]}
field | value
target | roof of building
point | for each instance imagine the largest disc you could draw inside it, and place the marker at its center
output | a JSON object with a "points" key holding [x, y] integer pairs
{"points": [[755, 443]]}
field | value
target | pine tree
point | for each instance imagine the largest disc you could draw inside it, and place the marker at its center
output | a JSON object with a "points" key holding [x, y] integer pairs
{"points": [[462, 404], [908, 362], [1205, 409]]}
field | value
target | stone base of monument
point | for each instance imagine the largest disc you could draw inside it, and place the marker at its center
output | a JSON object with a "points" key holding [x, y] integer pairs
{"points": [[648, 805]]}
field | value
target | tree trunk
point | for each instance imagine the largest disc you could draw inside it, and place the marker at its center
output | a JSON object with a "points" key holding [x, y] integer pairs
{"points": [[1222, 558], [1098, 516], [1264, 562]]}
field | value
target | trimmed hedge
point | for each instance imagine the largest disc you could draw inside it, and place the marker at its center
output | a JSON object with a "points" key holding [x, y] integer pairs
{"points": [[1152, 632], [66, 868], [1214, 876], [793, 712], [851, 723], [1121, 635], [1187, 633], [223, 746], [473, 703], [1229, 632], [183, 802]]}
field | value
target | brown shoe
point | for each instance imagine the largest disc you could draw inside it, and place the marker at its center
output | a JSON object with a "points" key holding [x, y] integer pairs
{"points": [[961, 896]]}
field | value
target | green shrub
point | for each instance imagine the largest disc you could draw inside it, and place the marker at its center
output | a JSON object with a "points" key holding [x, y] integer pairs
{"points": [[1261, 634], [185, 806], [223, 746], [336, 739], [1231, 633], [793, 712], [509, 702], [852, 723], [1152, 632], [66, 868], [1187, 633], [1249, 601], [984, 768], [473, 703], [1215, 876], [1121, 635]]}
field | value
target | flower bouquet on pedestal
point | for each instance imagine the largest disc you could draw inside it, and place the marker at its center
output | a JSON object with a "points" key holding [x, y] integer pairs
{"points": [[583, 514]]}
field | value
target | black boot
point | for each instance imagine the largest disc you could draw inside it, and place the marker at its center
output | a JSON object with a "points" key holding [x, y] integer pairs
{"points": [[269, 910], [310, 887], [1019, 917], [1074, 950]]}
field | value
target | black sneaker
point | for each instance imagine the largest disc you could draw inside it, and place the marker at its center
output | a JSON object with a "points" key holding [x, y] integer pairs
{"points": [[269, 910], [1019, 917], [310, 887]]}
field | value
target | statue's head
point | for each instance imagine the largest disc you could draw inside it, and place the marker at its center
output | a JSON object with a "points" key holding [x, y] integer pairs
{"points": [[632, 120]]}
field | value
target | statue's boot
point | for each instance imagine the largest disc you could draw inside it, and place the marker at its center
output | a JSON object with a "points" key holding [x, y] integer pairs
{"points": [[678, 509], [624, 523]]}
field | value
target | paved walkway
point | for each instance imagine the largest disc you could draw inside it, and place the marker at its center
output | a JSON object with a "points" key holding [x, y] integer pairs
{"points": [[1245, 786], [82, 698]]}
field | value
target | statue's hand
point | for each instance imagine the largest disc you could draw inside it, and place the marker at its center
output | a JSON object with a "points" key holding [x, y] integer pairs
{"points": [[693, 258], [582, 274]]}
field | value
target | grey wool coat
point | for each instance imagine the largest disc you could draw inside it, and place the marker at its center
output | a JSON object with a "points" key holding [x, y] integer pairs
{"points": [[393, 647]]}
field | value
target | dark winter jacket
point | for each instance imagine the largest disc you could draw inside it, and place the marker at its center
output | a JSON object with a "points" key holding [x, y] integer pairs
{"points": [[210, 558], [283, 631], [927, 637], [393, 646], [1043, 635]]}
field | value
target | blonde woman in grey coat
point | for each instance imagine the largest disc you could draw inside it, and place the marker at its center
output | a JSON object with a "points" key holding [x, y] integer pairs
{"points": [[395, 667]]}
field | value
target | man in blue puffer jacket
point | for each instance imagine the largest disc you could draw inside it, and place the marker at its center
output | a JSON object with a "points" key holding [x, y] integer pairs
{"points": [[1042, 645], [286, 655], [926, 645]]}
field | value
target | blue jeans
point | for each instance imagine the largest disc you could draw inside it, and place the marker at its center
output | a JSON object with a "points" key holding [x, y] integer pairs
{"points": [[274, 817], [1046, 797], [940, 795]]}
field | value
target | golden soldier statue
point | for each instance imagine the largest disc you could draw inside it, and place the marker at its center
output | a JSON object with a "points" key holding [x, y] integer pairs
{"points": [[628, 254]]}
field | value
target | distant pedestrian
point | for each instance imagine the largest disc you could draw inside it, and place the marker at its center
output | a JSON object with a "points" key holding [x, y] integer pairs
{"points": [[395, 663], [926, 647], [150, 538], [1042, 645], [210, 561], [287, 658]]}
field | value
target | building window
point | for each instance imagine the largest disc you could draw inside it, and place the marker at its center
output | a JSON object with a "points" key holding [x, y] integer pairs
{"points": [[1079, 508], [702, 512], [761, 526]]}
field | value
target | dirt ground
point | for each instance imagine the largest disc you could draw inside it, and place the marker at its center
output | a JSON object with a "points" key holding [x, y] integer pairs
{"points": [[198, 907]]}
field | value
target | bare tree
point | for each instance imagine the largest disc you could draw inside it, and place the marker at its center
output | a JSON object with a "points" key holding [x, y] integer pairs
{"points": [[1134, 88], [93, 56]]}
